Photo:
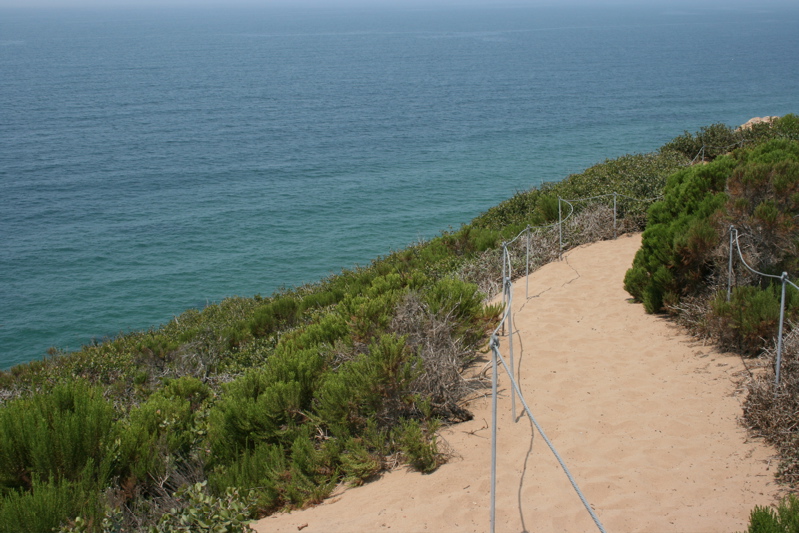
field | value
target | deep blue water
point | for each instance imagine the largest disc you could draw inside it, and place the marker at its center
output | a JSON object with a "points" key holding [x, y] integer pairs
{"points": [[155, 160]]}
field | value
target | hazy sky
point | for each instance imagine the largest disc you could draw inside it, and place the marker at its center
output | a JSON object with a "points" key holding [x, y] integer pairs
{"points": [[370, 3]]}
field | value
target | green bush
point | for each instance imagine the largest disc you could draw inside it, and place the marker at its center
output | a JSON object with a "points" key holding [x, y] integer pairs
{"points": [[156, 348], [325, 332], [709, 143], [371, 385], [258, 471], [450, 295], [187, 388], [55, 435], [752, 315], [675, 255], [358, 462], [292, 474], [419, 444], [367, 315], [281, 313], [47, 506], [160, 435], [751, 189], [547, 212], [311, 476], [253, 410], [265, 404], [203, 513], [764, 199], [639, 176], [321, 299], [785, 519]]}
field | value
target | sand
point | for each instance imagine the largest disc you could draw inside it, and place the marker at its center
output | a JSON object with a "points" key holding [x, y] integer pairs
{"points": [[645, 417]]}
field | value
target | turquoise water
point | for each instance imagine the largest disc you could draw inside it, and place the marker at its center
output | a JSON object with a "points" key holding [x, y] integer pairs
{"points": [[156, 160]]}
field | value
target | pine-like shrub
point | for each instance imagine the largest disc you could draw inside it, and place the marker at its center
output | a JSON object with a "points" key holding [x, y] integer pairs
{"points": [[281, 313], [419, 444], [55, 435], [708, 143], [253, 410], [47, 506], [258, 471], [676, 251], [751, 315], [158, 438], [358, 462], [370, 386], [456, 297], [684, 248], [783, 519]]}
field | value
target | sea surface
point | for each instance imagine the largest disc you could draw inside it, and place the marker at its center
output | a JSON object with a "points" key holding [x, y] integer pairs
{"points": [[155, 160]]}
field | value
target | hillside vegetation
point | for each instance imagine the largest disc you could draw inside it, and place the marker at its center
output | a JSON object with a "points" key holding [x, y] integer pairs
{"points": [[739, 205], [683, 266], [255, 404]]}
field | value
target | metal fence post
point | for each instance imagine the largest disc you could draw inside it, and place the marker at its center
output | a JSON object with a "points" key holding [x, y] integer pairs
{"points": [[494, 348], [504, 268], [560, 231], [729, 268], [527, 266], [509, 320], [779, 335], [504, 276]]}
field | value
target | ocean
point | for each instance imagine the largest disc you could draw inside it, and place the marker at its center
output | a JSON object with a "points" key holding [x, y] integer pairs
{"points": [[154, 160]]}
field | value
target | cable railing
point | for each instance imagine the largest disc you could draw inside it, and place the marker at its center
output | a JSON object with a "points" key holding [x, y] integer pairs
{"points": [[735, 239], [615, 196], [507, 322], [705, 148], [721, 149]]}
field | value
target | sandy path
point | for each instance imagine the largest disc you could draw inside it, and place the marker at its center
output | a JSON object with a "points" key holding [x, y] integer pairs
{"points": [[644, 417]]}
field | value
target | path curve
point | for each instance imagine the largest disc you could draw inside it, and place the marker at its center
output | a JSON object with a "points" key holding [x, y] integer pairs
{"points": [[644, 417]]}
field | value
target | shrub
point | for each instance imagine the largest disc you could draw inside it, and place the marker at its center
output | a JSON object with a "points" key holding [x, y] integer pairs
{"points": [[682, 248], [257, 472], [675, 258], [458, 298], [708, 143], [253, 410], [358, 463], [366, 316], [159, 437], [55, 435], [370, 386], [326, 332], [639, 176], [445, 347], [47, 506], [783, 519], [519, 207], [546, 212], [321, 299], [203, 513], [772, 412], [310, 477], [751, 317], [275, 476], [764, 202], [281, 313], [419, 444]]}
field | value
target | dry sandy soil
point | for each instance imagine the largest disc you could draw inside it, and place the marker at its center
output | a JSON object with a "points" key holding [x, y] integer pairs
{"points": [[645, 418]]}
